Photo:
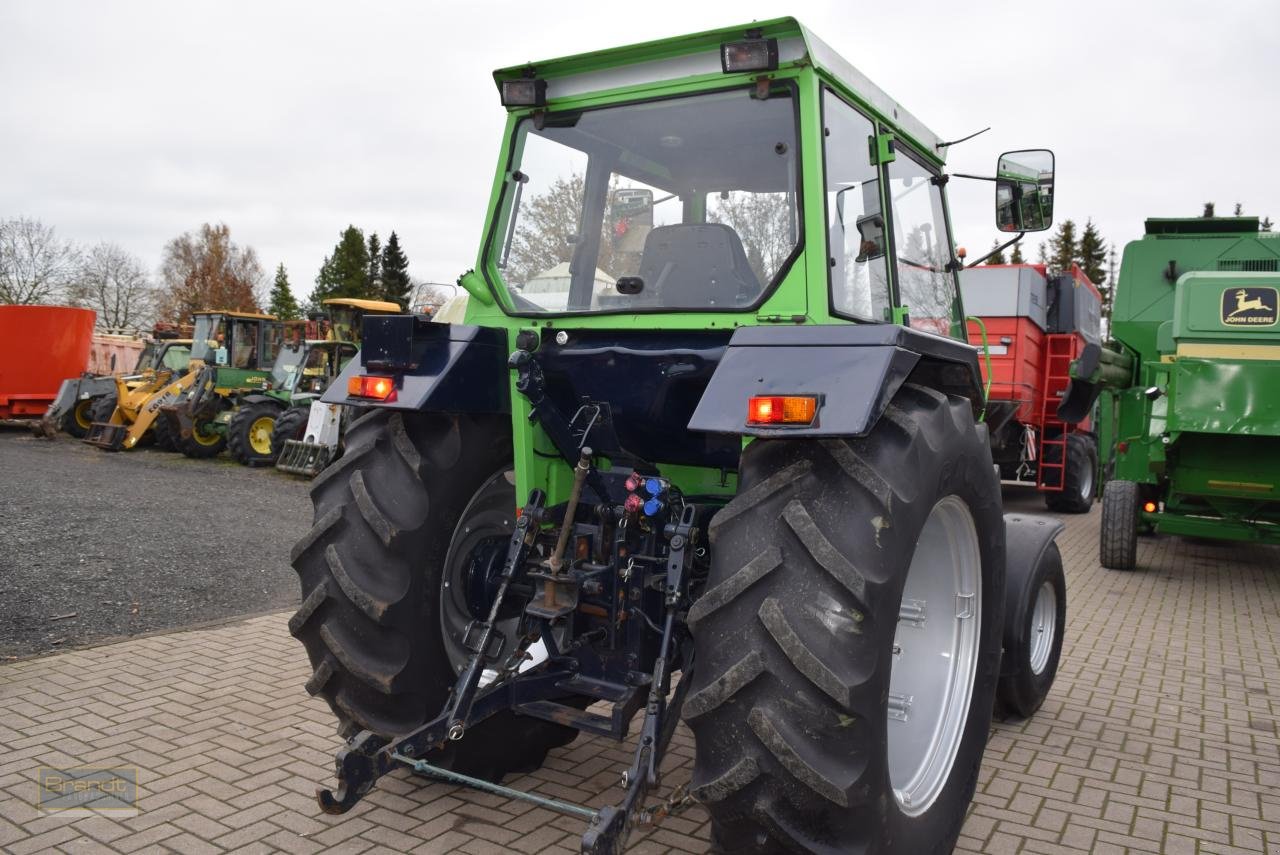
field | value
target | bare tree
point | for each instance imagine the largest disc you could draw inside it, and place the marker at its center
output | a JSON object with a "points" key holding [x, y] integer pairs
{"points": [[114, 283], [432, 294], [35, 265], [207, 270], [763, 221]]}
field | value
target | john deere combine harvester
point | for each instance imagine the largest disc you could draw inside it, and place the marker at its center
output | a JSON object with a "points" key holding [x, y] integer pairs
{"points": [[756, 463], [1194, 368]]}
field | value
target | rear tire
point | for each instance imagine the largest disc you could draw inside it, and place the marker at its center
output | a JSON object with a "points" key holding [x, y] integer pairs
{"points": [[249, 434], [1076, 496], [371, 571], [802, 656], [1118, 546]]}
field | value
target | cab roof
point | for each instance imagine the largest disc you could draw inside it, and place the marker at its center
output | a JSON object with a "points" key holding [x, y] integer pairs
{"points": [[230, 313], [698, 54], [368, 305]]}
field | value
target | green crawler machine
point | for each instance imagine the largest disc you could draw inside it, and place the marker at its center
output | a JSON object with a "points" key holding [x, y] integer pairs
{"points": [[1192, 408]]}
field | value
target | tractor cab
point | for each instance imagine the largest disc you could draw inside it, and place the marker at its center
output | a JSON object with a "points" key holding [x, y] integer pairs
{"points": [[346, 315]]}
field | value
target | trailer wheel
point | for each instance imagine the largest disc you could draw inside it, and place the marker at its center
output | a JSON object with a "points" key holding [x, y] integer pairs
{"points": [[249, 434], [1076, 496], [103, 408], [849, 639], [291, 424], [1035, 618], [372, 570], [1118, 546], [78, 421]]}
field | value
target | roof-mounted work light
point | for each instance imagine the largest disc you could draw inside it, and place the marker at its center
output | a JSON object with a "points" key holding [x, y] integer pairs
{"points": [[749, 55], [524, 92]]}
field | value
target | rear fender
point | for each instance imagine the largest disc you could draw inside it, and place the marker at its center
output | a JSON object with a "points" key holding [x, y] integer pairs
{"points": [[1027, 541], [452, 368], [853, 369]]}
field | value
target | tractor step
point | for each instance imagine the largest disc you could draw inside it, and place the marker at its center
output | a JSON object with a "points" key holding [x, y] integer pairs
{"points": [[303, 458], [106, 436]]}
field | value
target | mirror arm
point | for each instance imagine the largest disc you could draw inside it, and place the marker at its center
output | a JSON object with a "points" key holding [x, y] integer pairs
{"points": [[974, 177], [1001, 247]]}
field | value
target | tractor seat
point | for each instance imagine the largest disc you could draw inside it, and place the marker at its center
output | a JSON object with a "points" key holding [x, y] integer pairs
{"points": [[697, 265]]}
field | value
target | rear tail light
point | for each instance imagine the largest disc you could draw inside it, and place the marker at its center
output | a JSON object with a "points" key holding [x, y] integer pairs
{"points": [[1149, 507], [372, 386], [782, 410]]}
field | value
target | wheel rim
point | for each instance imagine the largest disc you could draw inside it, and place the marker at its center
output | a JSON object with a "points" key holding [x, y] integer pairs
{"points": [[81, 414], [260, 434], [203, 438], [1086, 481], [935, 656], [489, 517], [1044, 626]]}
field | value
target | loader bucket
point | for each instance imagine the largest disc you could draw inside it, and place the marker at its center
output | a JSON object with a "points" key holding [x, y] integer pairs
{"points": [[106, 436], [303, 458]]}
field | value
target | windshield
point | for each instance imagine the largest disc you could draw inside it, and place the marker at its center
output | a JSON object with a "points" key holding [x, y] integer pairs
{"points": [[147, 358], [284, 373], [684, 203], [209, 336]]}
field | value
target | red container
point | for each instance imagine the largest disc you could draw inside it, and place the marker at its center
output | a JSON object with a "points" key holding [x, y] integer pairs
{"points": [[40, 346]]}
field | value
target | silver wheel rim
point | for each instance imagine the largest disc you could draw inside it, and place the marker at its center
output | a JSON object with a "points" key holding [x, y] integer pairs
{"points": [[1044, 626], [935, 656], [1086, 482]]}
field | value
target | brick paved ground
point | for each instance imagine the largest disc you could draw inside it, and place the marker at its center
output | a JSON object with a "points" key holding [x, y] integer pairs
{"points": [[1160, 735]]}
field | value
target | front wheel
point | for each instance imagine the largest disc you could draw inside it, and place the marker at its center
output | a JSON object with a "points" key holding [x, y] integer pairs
{"points": [[291, 424], [1118, 535], [204, 441], [849, 639], [78, 421], [249, 434]]}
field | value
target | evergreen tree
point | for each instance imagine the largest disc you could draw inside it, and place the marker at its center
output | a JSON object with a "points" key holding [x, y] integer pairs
{"points": [[1208, 210], [1265, 225], [1042, 255], [1016, 256], [396, 286], [1239, 212], [1063, 247], [373, 281], [998, 258], [283, 305], [344, 273], [1092, 254]]}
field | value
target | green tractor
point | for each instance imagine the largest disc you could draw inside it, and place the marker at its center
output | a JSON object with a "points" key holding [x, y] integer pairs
{"points": [[1190, 409], [709, 413], [232, 353]]}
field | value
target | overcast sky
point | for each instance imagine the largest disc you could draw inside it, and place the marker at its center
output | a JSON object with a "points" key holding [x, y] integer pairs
{"points": [[135, 121]]}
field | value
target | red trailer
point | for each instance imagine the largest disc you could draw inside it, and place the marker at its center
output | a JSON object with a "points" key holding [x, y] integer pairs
{"points": [[40, 346], [1036, 324]]}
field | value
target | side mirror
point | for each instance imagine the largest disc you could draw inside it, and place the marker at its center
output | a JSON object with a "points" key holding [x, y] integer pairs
{"points": [[1024, 190], [630, 218]]}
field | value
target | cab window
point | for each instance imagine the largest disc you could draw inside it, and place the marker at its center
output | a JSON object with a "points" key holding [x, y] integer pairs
{"points": [[922, 246], [855, 224]]}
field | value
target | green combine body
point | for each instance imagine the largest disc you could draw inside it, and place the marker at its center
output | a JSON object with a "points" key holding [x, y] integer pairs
{"points": [[1193, 417]]}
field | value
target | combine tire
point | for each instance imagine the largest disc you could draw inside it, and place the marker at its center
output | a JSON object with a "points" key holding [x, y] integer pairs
{"points": [[1076, 496], [77, 421], [1118, 536], [291, 424], [249, 434], [373, 569], [103, 408], [849, 640]]}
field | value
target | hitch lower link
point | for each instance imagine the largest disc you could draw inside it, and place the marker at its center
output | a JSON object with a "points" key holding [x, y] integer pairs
{"points": [[368, 756]]}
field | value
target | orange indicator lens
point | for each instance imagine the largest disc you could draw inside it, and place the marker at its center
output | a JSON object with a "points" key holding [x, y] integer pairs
{"points": [[365, 386], [782, 410], [1149, 507]]}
